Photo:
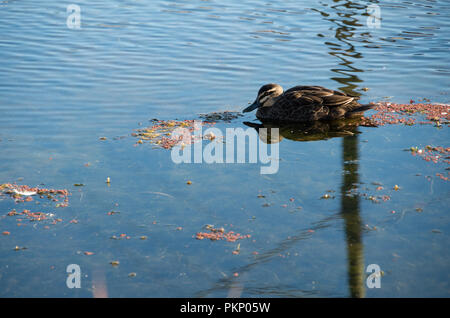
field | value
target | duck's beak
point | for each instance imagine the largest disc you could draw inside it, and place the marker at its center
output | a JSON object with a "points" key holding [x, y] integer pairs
{"points": [[251, 107]]}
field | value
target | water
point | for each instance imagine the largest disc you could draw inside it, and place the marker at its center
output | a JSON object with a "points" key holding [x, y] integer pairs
{"points": [[62, 89]]}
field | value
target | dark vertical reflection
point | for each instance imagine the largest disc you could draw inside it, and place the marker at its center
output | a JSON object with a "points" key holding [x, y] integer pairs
{"points": [[344, 15], [351, 216]]}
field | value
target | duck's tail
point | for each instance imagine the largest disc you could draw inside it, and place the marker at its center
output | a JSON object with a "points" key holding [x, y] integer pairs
{"points": [[358, 112]]}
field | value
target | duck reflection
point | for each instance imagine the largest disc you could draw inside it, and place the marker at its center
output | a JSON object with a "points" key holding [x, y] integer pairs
{"points": [[308, 131]]}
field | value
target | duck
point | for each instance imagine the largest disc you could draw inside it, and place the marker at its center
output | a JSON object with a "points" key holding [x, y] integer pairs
{"points": [[304, 104]]}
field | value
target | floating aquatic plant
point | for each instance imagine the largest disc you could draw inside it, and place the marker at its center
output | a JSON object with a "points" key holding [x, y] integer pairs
{"points": [[392, 113], [161, 133], [435, 154], [220, 234]]}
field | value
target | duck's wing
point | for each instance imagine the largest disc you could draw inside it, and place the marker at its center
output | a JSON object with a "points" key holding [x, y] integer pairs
{"points": [[321, 95], [299, 99], [297, 105]]}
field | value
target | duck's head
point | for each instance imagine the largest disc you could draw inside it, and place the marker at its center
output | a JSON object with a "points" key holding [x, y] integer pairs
{"points": [[266, 97]]}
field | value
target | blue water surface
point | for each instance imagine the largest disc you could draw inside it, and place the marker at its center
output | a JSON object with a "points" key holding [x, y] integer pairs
{"points": [[63, 88]]}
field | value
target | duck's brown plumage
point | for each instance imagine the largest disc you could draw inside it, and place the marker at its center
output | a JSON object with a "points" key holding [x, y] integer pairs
{"points": [[308, 103]]}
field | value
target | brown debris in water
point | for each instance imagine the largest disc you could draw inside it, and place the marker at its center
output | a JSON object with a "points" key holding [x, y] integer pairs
{"points": [[219, 234], [24, 193], [33, 216], [433, 154], [161, 133], [392, 113]]}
